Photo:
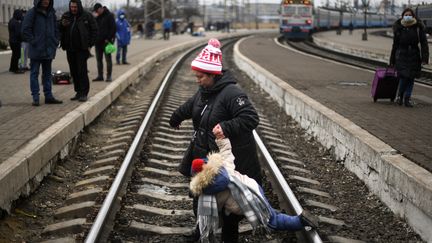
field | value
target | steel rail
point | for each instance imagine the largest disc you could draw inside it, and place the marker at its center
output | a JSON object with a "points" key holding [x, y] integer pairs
{"points": [[104, 212], [288, 194]]}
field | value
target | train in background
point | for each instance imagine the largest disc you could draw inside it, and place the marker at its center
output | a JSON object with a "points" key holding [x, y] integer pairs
{"points": [[298, 19], [424, 13]]}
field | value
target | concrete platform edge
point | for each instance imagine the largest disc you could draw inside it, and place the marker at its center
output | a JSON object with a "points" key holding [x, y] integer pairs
{"points": [[403, 186], [23, 171], [321, 42]]}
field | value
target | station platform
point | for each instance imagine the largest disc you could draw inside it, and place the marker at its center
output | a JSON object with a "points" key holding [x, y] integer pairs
{"points": [[32, 136], [346, 90], [387, 146], [376, 47]]}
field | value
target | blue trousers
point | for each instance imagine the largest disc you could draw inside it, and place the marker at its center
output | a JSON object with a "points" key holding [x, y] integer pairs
{"points": [[406, 86], [281, 221], [123, 50], [46, 78]]}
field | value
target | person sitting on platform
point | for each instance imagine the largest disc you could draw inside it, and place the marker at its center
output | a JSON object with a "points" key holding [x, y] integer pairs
{"points": [[223, 189]]}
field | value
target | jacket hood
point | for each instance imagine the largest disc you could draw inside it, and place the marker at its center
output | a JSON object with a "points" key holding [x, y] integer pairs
{"points": [[206, 177], [105, 12], [120, 12], [18, 14], [221, 81], [80, 7], [36, 4]]}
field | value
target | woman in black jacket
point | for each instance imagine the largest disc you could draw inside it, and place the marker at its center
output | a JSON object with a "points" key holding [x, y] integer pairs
{"points": [[220, 105], [406, 55]]}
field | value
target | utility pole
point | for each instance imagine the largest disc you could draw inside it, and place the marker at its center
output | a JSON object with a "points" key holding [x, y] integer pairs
{"points": [[163, 9], [366, 6], [256, 14], [145, 4], [248, 14]]}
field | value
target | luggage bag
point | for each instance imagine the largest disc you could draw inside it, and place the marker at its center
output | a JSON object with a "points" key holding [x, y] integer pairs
{"points": [[60, 77], [384, 84]]}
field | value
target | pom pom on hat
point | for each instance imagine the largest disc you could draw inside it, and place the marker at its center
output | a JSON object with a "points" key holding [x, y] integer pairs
{"points": [[214, 42], [197, 165], [210, 58]]}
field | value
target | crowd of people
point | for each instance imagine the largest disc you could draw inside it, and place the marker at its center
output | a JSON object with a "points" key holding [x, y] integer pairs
{"points": [[37, 33]]}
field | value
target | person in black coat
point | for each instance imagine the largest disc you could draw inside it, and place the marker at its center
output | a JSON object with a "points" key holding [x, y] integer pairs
{"points": [[15, 39], [406, 55], [78, 31], [107, 31], [221, 107]]}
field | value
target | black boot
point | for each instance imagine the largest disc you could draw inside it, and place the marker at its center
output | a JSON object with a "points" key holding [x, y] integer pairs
{"points": [[399, 100], [407, 102], [307, 219]]}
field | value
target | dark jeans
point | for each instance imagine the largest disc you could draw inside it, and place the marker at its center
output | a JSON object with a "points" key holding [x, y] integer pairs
{"points": [[166, 34], [406, 86], [46, 78], [99, 48], [16, 55], [78, 68], [123, 50]]}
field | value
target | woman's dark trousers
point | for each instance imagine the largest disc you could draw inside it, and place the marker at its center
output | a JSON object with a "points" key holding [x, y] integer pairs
{"points": [[16, 55], [78, 68], [406, 86]]}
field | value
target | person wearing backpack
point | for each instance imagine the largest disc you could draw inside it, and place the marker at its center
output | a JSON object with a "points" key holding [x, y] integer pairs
{"points": [[40, 30], [406, 56]]}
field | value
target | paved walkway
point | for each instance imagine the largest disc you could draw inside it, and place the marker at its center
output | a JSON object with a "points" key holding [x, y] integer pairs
{"points": [[346, 90], [20, 122], [376, 46]]}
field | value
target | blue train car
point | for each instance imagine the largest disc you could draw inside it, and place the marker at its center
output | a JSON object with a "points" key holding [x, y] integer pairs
{"points": [[424, 13]]}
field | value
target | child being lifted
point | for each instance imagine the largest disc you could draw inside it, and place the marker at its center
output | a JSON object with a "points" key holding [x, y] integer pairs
{"points": [[221, 188]]}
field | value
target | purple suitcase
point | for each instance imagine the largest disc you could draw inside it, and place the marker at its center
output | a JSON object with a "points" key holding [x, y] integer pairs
{"points": [[385, 84]]}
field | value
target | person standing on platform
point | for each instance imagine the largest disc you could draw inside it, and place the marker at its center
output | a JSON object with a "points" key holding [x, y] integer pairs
{"points": [[167, 25], [40, 30], [406, 56], [219, 101], [14, 27], [107, 31], [24, 51], [140, 30], [78, 34], [123, 36]]}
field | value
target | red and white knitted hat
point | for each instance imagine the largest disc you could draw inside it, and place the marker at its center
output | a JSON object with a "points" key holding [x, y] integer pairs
{"points": [[210, 58]]}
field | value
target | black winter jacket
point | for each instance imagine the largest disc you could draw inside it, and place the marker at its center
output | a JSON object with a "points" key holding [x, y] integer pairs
{"points": [[81, 33], [107, 27], [224, 103], [14, 27], [406, 54]]}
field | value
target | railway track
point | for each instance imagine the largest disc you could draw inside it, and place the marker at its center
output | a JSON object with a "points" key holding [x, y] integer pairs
{"points": [[131, 191], [157, 206], [310, 48]]}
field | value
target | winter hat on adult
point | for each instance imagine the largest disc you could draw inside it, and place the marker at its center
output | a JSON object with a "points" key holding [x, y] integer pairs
{"points": [[210, 58]]}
